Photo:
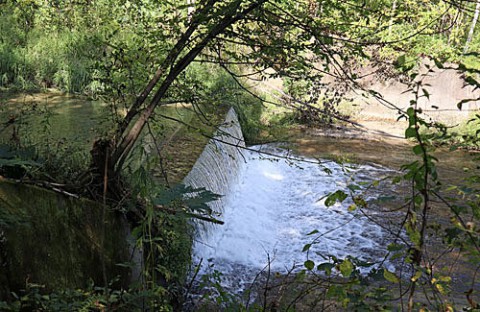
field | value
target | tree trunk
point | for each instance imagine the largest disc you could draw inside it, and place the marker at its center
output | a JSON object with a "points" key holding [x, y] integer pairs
{"points": [[472, 27], [163, 69], [131, 134], [105, 182]]}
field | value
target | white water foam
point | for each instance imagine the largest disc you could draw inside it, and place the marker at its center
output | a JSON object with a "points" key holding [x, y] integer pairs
{"points": [[217, 168], [275, 204]]}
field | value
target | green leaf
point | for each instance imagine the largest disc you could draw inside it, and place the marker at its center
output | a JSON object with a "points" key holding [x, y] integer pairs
{"points": [[337, 292], [471, 81], [418, 199], [397, 255], [326, 267], [425, 93], [460, 104], [334, 197], [438, 63], [394, 247], [360, 201], [313, 232], [386, 198], [196, 199], [306, 247], [417, 275], [475, 210], [417, 149], [389, 276], [411, 112], [452, 234], [410, 133], [326, 40], [309, 264], [346, 268], [401, 60], [396, 180], [354, 187]]}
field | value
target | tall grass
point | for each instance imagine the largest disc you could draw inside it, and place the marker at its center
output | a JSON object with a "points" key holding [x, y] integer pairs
{"points": [[59, 59]]}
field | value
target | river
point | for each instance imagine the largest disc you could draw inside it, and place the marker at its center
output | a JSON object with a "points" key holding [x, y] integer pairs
{"points": [[274, 205]]}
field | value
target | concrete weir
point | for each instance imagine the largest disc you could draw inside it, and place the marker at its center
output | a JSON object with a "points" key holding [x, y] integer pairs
{"points": [[217, 166], [272, 203]]}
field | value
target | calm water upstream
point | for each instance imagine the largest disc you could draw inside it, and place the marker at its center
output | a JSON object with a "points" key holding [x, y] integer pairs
{"points": [[54, 118]]}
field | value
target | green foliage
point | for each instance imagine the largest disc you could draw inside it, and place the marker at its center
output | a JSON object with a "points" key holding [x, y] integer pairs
{"points": [[15, 162], [113, 49], [332, 198], [93, 298], [463, 136], [59, 48], [60, 58], [250, 116], [216, 297], [390, 276]]}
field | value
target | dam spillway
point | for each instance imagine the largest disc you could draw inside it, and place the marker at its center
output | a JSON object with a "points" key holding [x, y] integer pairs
{"points": [[272, 203], [217, 167]]}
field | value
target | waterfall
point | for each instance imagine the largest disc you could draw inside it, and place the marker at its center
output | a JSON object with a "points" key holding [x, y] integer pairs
{"points": [[272, 203], [217, 167], [275, 203]]}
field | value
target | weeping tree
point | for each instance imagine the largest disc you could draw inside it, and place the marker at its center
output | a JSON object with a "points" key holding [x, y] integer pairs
{"points": [[210, 31]]}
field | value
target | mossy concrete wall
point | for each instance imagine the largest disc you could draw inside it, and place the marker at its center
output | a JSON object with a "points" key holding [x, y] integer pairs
{"points": [[58, 242]]}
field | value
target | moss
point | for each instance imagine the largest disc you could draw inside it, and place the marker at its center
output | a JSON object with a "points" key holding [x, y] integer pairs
{"points": [[58, 242]]}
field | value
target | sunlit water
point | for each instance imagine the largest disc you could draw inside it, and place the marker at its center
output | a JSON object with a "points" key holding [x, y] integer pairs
{"points": [[273, 206]]}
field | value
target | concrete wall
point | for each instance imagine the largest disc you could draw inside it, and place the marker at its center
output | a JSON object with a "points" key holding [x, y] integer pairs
{"points": [[56, 242], [445, 86]]}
